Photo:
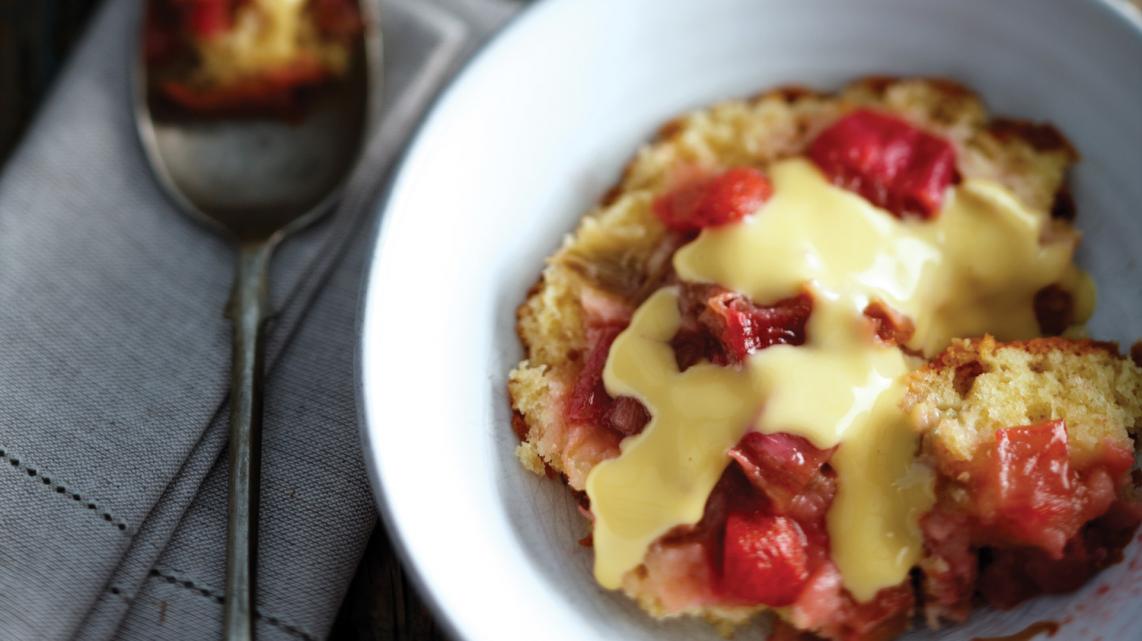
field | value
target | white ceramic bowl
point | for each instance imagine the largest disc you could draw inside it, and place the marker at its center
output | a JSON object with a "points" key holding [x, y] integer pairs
{"points": [[534, 131]]}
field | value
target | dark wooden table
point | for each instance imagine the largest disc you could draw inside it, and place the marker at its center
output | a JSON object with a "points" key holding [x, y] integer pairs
{"points": [[381, 603], [35, 36]]}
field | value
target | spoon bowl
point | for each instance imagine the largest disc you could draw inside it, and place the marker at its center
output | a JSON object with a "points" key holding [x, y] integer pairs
{"points": [[252, 177]]}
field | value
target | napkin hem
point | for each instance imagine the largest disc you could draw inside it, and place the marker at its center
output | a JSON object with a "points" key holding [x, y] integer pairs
{"points": [[171, 577], [36, 472]]}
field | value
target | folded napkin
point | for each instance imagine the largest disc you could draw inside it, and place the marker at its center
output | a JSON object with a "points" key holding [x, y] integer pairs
{"points": [[114, 358]]}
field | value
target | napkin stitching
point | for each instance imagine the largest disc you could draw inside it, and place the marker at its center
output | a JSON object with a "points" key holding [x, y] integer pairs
{"points": [[170, 577], [46, 480]]}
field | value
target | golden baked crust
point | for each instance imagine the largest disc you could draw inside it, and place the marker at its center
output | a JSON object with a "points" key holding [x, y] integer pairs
{"points": [[978, 386], [620, 251]]}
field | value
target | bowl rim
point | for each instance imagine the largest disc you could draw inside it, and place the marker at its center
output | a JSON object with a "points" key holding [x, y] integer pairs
{"points": [[1125, 10]]}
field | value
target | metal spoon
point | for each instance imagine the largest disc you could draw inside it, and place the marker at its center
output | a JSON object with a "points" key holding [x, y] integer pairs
{"points": [[256, 181]]}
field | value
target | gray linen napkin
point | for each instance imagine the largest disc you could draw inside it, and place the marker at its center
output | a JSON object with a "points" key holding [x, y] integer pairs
{"points": [[114, 356]]}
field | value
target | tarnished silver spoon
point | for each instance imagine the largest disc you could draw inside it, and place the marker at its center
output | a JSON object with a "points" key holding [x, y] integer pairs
{"points": [[255, 181]]}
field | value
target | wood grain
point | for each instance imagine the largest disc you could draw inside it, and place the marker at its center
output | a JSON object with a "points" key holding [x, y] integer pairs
{"points": [[382, 604], [35, 36]]}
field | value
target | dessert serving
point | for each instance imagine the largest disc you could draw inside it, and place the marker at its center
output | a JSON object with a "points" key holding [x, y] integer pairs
{"points": [[823, 355], [247, 56]]}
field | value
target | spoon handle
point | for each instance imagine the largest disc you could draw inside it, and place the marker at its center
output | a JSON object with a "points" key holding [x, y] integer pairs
{"points": [[248, 310]]}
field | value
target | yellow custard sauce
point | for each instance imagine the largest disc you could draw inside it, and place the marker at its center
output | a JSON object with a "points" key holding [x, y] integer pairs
{"points": [[975, 268]]}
